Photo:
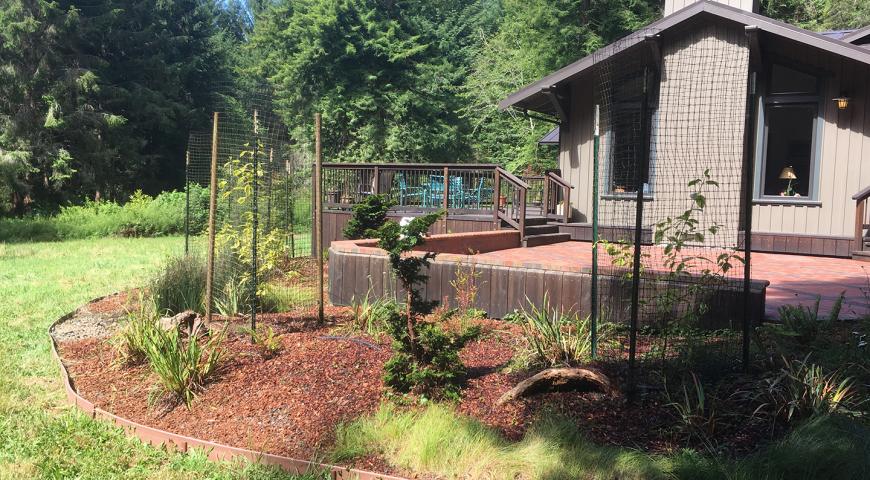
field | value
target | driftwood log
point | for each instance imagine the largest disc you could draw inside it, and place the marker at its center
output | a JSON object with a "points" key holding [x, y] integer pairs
{"points": [[560, 380]]}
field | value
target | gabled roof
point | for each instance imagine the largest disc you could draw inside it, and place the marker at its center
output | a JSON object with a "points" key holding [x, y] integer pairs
{"points": [[858, 37], [535, 97]]}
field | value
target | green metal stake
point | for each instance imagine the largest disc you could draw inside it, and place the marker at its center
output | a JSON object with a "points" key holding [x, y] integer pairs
{"points": [[594, 304]]}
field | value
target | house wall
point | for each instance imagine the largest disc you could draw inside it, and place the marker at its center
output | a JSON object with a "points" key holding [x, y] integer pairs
{"points": [[844, 155], [672, 6], [703, 80], [824, 227]]}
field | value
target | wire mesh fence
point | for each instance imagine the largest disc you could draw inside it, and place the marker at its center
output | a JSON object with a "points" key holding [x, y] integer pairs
{"points": [[669, 216], [263, 256]]}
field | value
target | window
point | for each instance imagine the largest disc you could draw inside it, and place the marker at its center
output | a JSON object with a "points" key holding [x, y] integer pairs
{"points": [[790, 136], [625, 135]]}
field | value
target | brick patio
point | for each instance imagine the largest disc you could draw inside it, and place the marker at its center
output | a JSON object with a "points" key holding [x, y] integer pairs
{"points": [[794, 279]]}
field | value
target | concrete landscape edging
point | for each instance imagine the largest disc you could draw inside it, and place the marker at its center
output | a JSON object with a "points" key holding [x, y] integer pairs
{"points": [[181, 443]]}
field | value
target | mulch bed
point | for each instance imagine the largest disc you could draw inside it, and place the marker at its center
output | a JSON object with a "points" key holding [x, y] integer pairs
{"points": [[291, 404]]}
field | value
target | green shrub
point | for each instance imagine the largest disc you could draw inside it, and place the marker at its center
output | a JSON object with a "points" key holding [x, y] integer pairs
{"points": [[142, 215], [799, 326], [180, 285], [430, 365], [183, 365], [553, 337], [425, 357], [368, 216]]}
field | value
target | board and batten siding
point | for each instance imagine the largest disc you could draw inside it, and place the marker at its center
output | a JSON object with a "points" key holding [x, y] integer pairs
{"points": [[699, 126], [844, 154], [672, 6]]}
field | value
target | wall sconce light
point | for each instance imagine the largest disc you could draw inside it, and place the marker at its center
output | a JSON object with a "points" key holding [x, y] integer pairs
{"points": [[842, 101]]}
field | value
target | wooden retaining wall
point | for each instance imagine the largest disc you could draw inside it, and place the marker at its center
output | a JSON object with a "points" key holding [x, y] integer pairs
{"points": [[356, 271]]}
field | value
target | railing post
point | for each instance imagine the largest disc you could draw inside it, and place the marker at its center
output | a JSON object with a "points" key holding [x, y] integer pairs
{"points": [[496, 200], [860, 207], [566, 204], [545, 196], [376, 188], [522, 213], [446, 191]]}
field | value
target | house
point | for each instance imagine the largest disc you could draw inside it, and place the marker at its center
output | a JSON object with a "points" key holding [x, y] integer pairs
{"points": [[779, 115]]}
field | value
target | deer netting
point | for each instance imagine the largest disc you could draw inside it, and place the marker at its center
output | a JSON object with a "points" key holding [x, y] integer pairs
{"points": [[263, 254], [670, 267]]}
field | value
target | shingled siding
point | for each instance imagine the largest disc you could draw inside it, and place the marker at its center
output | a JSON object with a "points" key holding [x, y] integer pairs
{"points": [[689, 65]]}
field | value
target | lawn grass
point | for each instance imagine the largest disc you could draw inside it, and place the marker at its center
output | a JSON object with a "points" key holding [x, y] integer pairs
{"points": [[438, 442], [40, 436]]}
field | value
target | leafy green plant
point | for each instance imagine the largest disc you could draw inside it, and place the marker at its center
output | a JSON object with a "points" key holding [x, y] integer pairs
{"points": [[425, 357], [799, 326], [236, 240], [466, 289], [368, 216], [266, 339], [802, 389], [553, 337], [180, 285], [183, 365]]}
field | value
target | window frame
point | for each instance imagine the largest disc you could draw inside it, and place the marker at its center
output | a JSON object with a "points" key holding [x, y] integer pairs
{"points": [[651, 120], [772, 100]]}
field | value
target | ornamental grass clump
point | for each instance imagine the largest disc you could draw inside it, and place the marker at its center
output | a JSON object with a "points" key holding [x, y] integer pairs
{"points": [[131, 341], [802, 389], [425, 357], [180, 286], [554, 338], [183, 365]]}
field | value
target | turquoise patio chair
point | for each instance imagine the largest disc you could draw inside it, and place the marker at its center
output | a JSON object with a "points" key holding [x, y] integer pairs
{"points": [[409, 193], [435, 192], [474, 196]]}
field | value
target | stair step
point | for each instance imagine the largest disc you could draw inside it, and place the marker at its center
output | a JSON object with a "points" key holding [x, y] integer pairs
{"points": [[546, 239], [541, 229], [534, 221]]}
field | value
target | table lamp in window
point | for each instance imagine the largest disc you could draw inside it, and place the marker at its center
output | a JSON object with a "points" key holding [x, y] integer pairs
{"points": [[787, 173]]}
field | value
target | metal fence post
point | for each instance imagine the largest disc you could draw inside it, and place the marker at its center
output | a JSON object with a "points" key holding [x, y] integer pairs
{"points": [[212, 211], [749, 136], [594, 293], [638, 233], [187, 202]]}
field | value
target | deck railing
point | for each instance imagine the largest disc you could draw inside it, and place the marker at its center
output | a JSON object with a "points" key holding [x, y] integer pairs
{"points": [[459, 189], [861, 219]]}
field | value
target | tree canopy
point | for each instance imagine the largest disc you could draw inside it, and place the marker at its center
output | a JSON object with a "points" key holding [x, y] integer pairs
{"points": [[97, 97]]}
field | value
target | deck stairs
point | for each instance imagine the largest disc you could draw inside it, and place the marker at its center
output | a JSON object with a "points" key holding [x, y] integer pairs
{"points": [[541, 230]]}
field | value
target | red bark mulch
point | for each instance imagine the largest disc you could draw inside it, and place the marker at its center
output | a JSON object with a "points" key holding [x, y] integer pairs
{"points": [[291, 404]]}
